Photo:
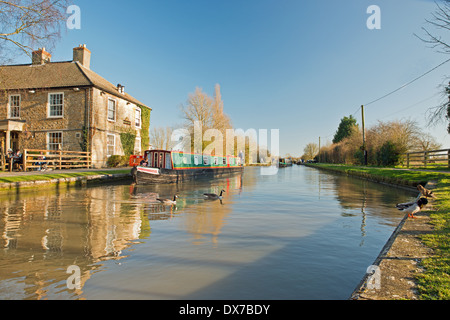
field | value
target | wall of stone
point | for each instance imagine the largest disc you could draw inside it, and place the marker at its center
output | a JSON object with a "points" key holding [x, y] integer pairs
{"points": [[34, 111], [102, 127]]}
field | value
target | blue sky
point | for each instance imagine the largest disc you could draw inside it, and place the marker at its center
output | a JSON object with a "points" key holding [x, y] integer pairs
{"points": [[297, 66]]}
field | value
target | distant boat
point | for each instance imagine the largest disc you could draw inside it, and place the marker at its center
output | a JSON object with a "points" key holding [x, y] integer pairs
{"points": [[174, 167], [284, 162]]}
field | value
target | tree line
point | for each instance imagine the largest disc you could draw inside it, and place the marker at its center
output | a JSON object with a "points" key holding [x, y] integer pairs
{"points": [[385, 143]]}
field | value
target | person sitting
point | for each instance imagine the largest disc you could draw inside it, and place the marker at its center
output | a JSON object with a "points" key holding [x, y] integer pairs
{"points": [[42, 164], [143, 163], [18, 159]]}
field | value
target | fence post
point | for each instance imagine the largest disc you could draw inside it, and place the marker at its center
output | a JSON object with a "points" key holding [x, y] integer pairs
{"points": [[2, 155], [24, 160], [60, 160], [448, 156], [425, 158], [407, 160]]}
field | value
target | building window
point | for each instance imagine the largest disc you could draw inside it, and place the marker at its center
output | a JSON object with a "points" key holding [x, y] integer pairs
{"points": [[138, 118], [111, 110], [14, 106], [55, 105], [110, 144], [55, 141]]}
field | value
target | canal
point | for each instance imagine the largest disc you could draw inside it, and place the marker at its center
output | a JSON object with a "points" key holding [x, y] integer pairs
{"points": [[300, 234]]}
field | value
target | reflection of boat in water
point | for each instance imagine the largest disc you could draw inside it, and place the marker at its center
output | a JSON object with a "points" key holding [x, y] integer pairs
{"points": [[284, 162], [173, 167]]}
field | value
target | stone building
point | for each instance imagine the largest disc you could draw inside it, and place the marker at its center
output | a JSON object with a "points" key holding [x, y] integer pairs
{"points": [[65, 105]]}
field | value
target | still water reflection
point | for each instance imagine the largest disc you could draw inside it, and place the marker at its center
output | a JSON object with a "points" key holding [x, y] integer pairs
{"points": [[300, 234]]}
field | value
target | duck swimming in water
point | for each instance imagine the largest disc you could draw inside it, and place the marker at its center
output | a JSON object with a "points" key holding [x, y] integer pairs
{"points": [[168, 201], [412, 207], [213, 196]]}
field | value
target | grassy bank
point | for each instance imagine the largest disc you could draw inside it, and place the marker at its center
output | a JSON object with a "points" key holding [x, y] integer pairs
{"points": [[434, 282], [51, 176]]}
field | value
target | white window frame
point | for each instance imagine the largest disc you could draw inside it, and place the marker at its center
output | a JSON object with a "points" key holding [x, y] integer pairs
{"points": [[115, 110], [49, 105], [138, 119], [10, 107], [110, 145], [48, 140]]}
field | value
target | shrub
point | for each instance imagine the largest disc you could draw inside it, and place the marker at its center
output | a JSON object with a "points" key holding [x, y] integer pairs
{"points": [[388, 154], [117, 161]]}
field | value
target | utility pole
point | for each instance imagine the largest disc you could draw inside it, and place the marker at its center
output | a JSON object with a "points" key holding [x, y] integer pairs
{"points": [[319, 150], [364, 137]]}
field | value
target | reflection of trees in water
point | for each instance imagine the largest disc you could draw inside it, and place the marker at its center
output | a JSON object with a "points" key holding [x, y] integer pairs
{"points": [[356, 195], [204, 219]]}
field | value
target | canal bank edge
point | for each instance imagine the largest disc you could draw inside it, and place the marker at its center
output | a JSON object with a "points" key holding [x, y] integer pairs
{"points": [[392, 275], [64, 181]]}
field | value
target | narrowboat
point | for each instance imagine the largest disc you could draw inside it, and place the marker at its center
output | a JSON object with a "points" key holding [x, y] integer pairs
{"points": [[283, 163], [161, 166]]}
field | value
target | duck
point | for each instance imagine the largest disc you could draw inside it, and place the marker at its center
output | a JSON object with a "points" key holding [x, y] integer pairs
{"points": [[168, 201], [412, 207], [213, 196], [425, 192]]}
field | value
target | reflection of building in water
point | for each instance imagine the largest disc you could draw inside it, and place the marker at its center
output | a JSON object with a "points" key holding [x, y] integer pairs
{"points": [[52, 232]]}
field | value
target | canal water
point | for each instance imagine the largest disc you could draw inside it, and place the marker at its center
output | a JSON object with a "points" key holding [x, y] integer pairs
{"points": [[299, 234]]}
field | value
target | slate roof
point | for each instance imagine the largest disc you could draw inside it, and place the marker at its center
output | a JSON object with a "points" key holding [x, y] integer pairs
{"points": [[68, 74]]}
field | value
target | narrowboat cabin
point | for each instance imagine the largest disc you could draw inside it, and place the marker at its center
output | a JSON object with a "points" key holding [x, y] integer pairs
{"points": [[161, 166]]}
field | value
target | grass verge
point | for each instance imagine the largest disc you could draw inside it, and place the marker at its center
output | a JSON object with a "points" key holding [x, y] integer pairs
{"points": [[434, 282], [50, 176]]}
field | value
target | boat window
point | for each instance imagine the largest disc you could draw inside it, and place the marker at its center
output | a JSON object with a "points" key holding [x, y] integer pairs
{"points": [[155, 160], [161, 160], [168, 161], [216, 161], [224, 160], [205, 161], [196, 160]]}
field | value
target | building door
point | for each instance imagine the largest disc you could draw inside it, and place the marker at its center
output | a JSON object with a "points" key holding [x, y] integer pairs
{"points": [[14, 141]]}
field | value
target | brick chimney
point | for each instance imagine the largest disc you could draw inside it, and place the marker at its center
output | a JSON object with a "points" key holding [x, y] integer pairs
{"points": [[40, 56], [82, 55]]}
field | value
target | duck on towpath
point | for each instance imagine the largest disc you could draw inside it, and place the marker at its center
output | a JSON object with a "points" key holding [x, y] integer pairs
{"points": [[412, 207]]}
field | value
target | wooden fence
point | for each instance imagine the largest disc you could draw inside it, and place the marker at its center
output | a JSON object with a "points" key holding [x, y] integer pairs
{"points": [[435, 158], [56, 160]]}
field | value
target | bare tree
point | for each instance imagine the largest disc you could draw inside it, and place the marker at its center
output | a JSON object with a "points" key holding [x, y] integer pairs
{"points": [[310, 151], [209, 113], [440, 21], [198, 108], [426, 142], [26, 24], [440, 112], [160, 138]]}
